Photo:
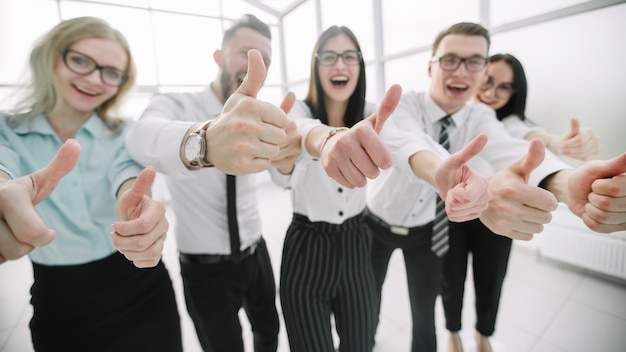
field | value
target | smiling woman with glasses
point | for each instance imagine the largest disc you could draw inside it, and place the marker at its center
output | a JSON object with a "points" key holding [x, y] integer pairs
{"points": [[502, 91], [82, 64], [95, 272]]}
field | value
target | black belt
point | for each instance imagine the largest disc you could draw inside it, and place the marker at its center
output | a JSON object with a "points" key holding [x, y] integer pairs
{"points": [[217, 258], [398, 230]]}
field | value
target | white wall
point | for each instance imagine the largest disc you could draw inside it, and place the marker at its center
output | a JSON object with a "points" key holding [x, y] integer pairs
{"points": [[576, 67]]}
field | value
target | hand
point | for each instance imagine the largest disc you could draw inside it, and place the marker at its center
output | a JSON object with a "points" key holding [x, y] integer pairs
{"points": [[249, 132], [21, 228], [354, 155], [466, 192], [142, 227], [290, 150], [598, 194], [579, 143], [519, 210]]}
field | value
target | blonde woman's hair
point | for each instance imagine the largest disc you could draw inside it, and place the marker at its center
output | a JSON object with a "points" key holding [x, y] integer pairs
{"points": [[43, 93]]}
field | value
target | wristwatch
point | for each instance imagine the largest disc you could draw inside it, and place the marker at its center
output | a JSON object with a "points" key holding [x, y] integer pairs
{"points": [[195, 148]]}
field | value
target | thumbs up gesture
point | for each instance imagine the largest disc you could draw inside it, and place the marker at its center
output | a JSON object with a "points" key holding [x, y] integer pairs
{"points": [[21, 228], [519, 210], [578, 143], [354, 155], [249, 133], [142, 227], [597, 194]]}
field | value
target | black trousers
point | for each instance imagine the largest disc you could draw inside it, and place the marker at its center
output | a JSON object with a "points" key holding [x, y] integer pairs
{"points": [[326, 270], [423, 270], [214, 294], [490, 257], [106, 305]]}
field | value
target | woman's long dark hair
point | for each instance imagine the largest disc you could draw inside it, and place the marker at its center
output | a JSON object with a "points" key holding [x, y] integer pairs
{"points": [[315, 97], [517, 103]]}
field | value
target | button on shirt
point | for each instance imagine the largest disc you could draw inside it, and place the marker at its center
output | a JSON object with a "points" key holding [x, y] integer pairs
{"points": [[199, 196], [81, 208], [398, 196], [315, 194]]}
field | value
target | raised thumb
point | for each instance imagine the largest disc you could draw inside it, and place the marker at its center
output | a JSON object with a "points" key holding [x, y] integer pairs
{"points": [[45, 180], [534, 158], [256, 75]]}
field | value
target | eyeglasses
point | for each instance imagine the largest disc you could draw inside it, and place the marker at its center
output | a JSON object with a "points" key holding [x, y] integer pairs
{"points": [[329, 58], [503, 91], [82, 64], [452, 62]]}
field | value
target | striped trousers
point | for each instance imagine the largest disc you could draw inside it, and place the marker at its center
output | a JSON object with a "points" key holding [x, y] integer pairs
{"points": [[326, 271]]}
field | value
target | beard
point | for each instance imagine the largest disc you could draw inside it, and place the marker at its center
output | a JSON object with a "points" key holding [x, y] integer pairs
{"points": [[230, 83], [226, 83]]}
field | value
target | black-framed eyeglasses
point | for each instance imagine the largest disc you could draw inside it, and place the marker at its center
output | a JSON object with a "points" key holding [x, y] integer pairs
{"points": [[329, 58], [453, 62], [82, 64], [502, 91]]}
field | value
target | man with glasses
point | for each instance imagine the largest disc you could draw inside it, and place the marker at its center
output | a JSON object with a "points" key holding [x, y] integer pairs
{"points": [[403, 211]]}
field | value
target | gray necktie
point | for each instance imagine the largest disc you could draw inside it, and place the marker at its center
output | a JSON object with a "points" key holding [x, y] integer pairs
{"points": [[439, 243]]}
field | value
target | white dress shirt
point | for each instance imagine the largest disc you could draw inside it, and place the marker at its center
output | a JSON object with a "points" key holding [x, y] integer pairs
{"points": [[313, 193], [199, 196], [519, 128], [401, 199]]}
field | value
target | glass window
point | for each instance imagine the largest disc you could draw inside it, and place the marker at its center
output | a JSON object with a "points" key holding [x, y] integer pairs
{"points": [[506, 11], [410, 72], [334, 14], [184, 48], [414, 24], [300, 31], [21, 27], [236, 8], [136, 26]]}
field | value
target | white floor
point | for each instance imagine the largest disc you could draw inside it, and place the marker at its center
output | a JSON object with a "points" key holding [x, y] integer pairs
{"points": [[546, 306]]}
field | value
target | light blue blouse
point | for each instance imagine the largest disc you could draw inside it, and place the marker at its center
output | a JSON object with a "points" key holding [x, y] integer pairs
{"points": [[81, 208]]}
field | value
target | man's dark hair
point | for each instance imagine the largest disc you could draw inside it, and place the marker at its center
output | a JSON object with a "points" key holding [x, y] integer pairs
{"points": [[246, 21], [464, 28]]}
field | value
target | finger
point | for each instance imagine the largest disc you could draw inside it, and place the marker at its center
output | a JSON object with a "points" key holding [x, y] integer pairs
{"points": [[149, 257], [534, 158], [10, 247], [614, 187], [45, 180], [574, 128], [375, 155], [288, 102], [517, 235], [255, 76], [472, 149], [386, 107], [611, 168], [140, 187]]}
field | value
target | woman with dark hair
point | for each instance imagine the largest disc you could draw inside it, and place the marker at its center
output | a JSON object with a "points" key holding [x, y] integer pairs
{"points": [[505, 91], [326, 269]]}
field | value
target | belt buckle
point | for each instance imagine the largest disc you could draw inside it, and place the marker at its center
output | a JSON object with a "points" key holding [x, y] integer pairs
{"points": [[399, 230]]}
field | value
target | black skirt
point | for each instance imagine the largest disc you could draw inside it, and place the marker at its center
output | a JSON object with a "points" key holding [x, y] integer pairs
{"points": [[106, 305]]}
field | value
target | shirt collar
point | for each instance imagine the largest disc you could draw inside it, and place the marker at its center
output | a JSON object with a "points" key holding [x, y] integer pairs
{"points": [[40, 125], [434, 113]]}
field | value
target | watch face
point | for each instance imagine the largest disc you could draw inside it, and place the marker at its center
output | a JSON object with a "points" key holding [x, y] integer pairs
{"points": [[193, 147]]}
